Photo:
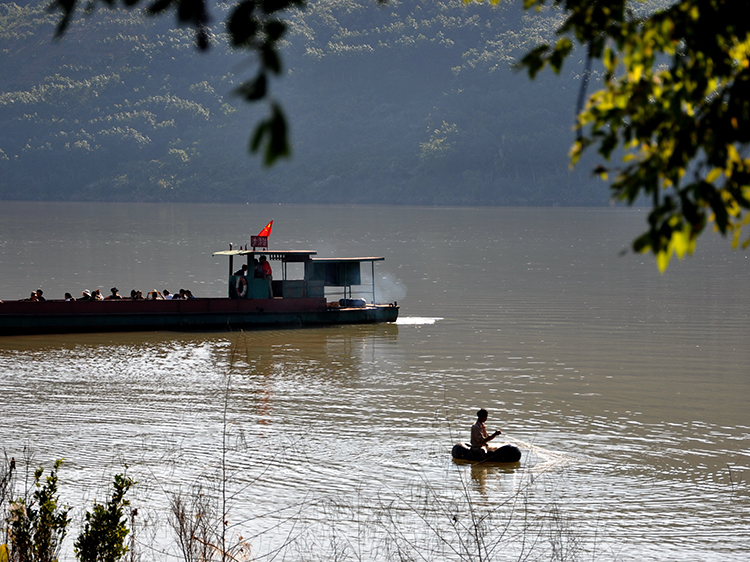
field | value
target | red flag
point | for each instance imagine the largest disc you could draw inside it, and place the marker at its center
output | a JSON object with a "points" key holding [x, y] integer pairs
{"points": [[267, 230]]}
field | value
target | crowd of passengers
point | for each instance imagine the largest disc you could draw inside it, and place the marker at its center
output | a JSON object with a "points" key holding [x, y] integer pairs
{"points": [[96, 295]]}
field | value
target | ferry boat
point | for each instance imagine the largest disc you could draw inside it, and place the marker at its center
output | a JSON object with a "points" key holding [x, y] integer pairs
{"points": [[250, 303]]}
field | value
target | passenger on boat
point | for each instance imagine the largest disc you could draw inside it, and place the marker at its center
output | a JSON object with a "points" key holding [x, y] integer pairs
{"points": [[86, 295], [69, 297], [136, 295], [479, 435], [265, 273], [154, 296], [265, 268], [114, 296], [242, 271], [188, 294], [97, 295], [40, 295], [167, 295], [32, 297]]}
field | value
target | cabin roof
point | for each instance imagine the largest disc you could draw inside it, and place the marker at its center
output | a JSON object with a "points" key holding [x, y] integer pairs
{"points": [[283, 255], [294, 255], [334, 260]]}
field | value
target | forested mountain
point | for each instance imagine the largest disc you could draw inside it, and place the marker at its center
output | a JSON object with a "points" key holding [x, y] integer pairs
{"points": [[411, 102]]}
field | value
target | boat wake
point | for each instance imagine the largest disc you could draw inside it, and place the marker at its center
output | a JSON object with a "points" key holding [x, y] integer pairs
{"points": [[541, 459], [416, 320]]}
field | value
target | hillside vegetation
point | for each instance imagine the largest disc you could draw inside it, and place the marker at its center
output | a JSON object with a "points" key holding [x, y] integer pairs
{"points": [[407, 103]]}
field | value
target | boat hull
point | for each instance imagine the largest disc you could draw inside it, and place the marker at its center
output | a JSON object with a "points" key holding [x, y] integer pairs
{"points": [[504, 454], [22, 318]]}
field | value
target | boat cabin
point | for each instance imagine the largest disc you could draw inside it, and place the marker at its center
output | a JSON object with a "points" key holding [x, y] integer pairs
{"points": [[318, 274]]}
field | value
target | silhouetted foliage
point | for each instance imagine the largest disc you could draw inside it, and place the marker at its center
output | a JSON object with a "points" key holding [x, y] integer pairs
{"points": [[674, 97]]}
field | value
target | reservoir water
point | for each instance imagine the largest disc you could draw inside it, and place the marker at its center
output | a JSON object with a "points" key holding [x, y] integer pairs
{"points": [[627, 390]]}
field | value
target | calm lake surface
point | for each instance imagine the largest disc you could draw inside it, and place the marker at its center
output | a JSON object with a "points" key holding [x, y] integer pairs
{"points": [[627, 390]]}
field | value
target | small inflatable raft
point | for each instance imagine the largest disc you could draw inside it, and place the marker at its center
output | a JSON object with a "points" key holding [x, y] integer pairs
{"points": [[504, 454]]}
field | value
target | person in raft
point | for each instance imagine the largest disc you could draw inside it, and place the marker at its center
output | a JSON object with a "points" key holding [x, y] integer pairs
{"points": [[479, 435]]}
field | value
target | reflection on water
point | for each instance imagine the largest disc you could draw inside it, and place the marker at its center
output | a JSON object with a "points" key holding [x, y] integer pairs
{"points": [[626, 390]]}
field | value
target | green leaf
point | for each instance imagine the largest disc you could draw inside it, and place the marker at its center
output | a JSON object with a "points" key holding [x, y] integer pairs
{"points": [[67, 7], [258, 135], [562, 50], [254, 90], [714, 174], [159, 6], [662, 260], [642, 243], [274, 30], [242, 24], [272, 133], [279, 144], [534, 61], [681, 243], [270, 58]]}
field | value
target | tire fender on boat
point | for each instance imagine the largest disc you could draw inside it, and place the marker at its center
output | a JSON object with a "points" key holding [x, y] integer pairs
{"points": [[241, 287]]}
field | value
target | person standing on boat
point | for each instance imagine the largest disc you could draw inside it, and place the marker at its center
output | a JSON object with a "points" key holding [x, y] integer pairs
{"points": [[265, 268], [479, 435], [266, 273]]}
